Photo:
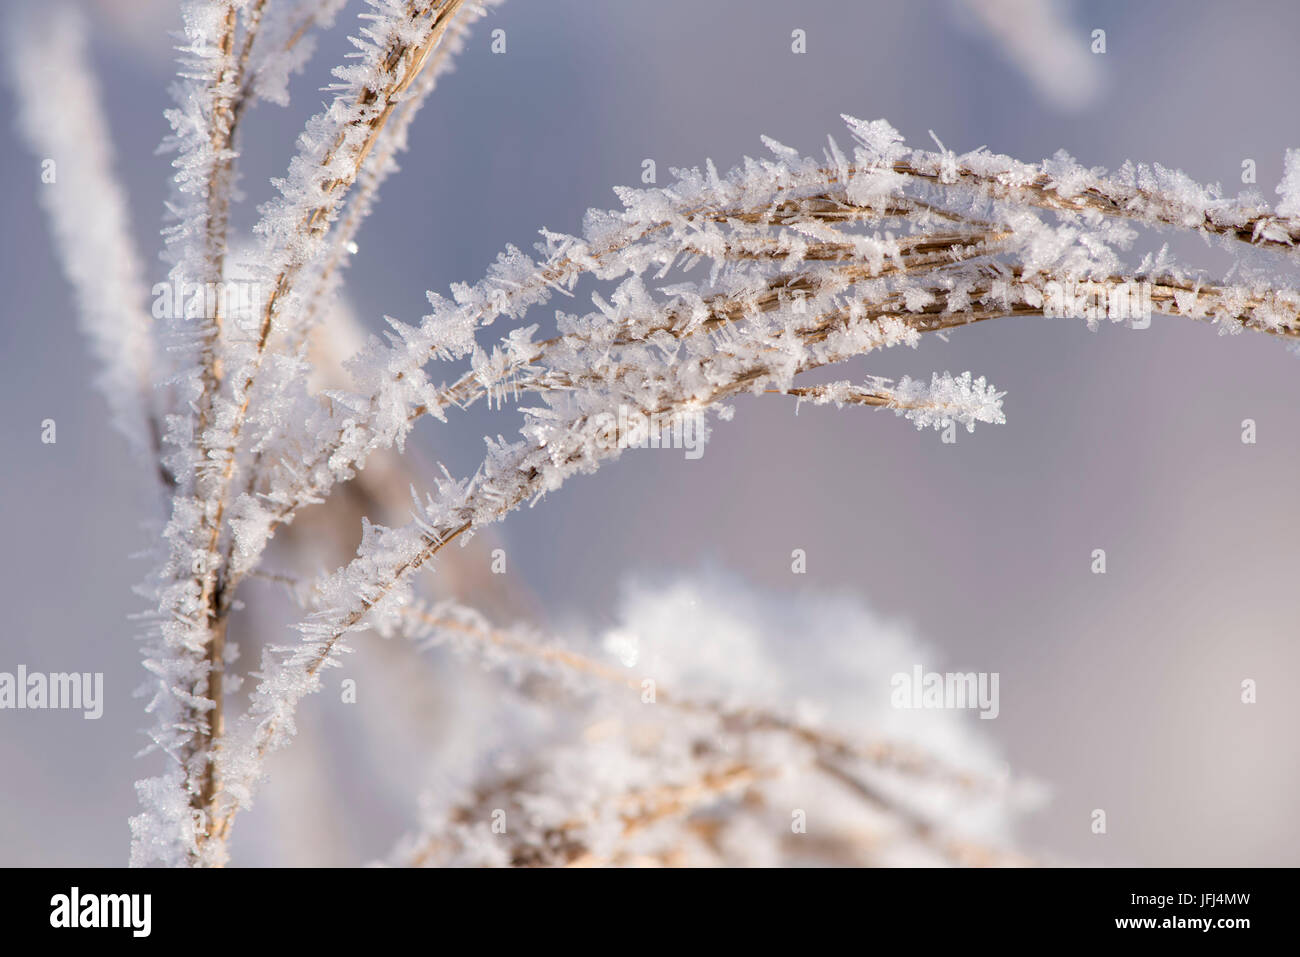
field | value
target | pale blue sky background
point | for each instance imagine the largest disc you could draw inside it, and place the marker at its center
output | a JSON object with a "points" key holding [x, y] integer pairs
{"points": [[1120, 692]]}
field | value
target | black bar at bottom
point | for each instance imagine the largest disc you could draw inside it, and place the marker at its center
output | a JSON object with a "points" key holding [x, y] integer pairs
{"points": [[671, 910]]}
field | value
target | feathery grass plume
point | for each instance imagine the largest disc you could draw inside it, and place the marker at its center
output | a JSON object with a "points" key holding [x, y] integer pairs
{"points": [[713, 287], [643, 775], [87, 209], [1039, 39]]}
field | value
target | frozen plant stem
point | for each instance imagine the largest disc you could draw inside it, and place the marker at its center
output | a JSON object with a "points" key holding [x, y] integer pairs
{"points": [[296, 227]]}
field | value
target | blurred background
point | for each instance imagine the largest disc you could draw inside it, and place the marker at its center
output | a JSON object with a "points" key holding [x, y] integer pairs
{"points": [[1119, 691]]}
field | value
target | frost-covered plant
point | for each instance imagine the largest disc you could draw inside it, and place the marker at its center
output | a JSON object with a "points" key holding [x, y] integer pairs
{"points": [[711, 777], [717, 286]]}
